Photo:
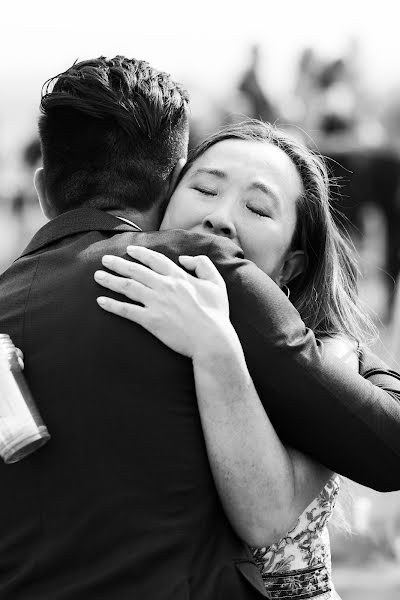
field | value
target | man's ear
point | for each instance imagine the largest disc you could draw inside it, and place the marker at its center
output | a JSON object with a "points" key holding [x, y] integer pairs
{"points": [[40, 186], [174, 176], [294, 265]]}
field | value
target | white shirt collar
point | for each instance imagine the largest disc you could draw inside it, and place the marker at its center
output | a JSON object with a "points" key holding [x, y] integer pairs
{"points": [[129, 223]]}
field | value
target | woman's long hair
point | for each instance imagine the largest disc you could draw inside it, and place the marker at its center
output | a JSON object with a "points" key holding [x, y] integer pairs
{"points": [[325, 293]]}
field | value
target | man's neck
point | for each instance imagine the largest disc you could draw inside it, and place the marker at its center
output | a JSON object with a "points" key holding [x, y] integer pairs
{"points": [[147, 221]]}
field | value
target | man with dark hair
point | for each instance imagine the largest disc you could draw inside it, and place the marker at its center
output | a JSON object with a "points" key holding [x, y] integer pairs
{"points": [[112, 133], [121, 503]]}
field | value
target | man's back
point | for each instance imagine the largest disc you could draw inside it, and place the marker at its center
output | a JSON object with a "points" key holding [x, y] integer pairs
{"points": [[121, 502]]}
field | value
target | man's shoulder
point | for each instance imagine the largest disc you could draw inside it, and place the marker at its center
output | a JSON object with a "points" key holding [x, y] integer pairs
{"points": [[171, 243], [175, 242]]}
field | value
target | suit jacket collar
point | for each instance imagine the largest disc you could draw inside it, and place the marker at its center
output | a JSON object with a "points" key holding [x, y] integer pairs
{"points": [[75, 221]]}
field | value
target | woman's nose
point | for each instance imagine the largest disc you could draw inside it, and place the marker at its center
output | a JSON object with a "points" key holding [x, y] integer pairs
{"points": [[220, 224]]}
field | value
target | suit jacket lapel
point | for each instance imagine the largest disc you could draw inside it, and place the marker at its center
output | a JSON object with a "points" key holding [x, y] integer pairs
{"points": [[75, 221]]}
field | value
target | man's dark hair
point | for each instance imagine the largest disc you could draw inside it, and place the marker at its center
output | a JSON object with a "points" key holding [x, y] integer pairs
{"points": [[111, 132]]}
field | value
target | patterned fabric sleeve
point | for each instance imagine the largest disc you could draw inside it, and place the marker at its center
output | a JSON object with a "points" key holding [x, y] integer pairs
{"points": [[299, 565]]}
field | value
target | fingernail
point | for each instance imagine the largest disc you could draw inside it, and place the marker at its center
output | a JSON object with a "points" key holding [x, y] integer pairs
{"points": [[107, 259], [131, 248], [101, 300], [99, 275]]}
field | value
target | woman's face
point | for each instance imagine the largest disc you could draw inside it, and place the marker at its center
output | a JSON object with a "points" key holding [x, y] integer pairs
{"points": [[245, 191]]}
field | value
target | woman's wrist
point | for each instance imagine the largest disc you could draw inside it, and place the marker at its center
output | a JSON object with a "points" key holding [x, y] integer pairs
{"points": [[222, 349]]}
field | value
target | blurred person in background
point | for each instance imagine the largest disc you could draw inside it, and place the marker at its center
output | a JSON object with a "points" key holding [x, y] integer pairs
{"points": [[122, 501], [31, 157], [391, 119], [24, 197], [206, 114], [259, 106], [247, 183], [347, 129], [304, 89]]}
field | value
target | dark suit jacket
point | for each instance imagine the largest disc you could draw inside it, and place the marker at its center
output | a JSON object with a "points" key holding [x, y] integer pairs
{"points": [[121, 502]]}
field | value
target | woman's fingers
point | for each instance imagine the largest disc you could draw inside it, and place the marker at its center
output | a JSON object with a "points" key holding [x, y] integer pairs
{"points": [[130, 269], [123, 285], [203, 267], [134, 313], [154, 260]]}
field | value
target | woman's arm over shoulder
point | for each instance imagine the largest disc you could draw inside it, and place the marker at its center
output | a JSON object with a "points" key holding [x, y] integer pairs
{"points": [[263, 486]]}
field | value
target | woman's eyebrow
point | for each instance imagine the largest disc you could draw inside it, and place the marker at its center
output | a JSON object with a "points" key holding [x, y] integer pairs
{"points": [[215, 172], [267, 190]]}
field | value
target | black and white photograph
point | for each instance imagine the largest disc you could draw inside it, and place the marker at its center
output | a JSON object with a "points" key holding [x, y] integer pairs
{"points": [[200, 300]]}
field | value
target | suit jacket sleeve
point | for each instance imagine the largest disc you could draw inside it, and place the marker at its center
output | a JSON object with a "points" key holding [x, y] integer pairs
{"points": [[347, 422]]}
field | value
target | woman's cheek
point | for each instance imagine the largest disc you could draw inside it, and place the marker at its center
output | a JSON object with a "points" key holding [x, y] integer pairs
{"points": [[263, 249], [189, 212], [171, 216]]}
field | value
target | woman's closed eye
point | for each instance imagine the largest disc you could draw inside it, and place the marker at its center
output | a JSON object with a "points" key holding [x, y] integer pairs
{"points": [[261, 211], [204, 190]]}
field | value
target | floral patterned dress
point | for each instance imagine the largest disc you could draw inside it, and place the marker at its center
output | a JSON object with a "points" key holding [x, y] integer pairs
{"points": [[299, 565]]}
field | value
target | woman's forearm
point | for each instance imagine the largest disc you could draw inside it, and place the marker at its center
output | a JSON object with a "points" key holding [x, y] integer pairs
{"points": [[263, 486]]}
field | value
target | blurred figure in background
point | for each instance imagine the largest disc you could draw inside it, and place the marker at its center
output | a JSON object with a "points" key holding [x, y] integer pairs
{"points": [[259, 105], [346, 128], [20, 216], [207, 113], [30, 158], [304, 89], [391, 120], [25, 194]]}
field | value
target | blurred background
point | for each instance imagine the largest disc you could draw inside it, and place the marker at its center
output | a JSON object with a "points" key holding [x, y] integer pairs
{"points": [[327, 72]]}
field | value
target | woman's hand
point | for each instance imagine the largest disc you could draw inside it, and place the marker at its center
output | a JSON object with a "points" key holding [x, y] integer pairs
{"points": [[189, 314]]}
